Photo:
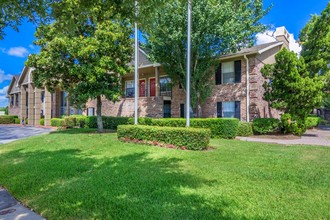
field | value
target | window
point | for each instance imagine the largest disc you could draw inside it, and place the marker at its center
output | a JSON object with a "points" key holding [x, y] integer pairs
{"points": [[229, 109], [182, 110], [228, 72], [17, 99], [11, 100], [42, 96], [167, 109], [90, 111], [129, 88], [165, 86], [63, 103]]}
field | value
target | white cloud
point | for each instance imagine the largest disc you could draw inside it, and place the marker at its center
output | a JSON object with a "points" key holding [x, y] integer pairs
{"points": [[3, 98], [4, 77], [269, 36], [266, 37], [18, 51], [31, 46]]}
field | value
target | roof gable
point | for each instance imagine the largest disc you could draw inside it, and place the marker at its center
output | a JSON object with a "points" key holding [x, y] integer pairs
{"points": [[13, 87]]}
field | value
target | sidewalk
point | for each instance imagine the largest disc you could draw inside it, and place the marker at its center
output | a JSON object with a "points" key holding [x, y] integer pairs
{"points": [[11, 209], [311, 137]]}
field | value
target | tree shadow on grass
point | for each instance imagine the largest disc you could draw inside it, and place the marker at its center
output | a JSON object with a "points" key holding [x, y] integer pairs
{"points": [[82, 131], [66, 184]]}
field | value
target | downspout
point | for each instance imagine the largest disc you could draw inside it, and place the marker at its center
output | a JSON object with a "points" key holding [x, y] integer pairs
{"points": [[247, 89]]}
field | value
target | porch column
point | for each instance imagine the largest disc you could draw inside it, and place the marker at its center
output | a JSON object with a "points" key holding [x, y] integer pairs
{"points": [[157, 80], [37, 106], [23, 103], [31, 104], [48, 107]]}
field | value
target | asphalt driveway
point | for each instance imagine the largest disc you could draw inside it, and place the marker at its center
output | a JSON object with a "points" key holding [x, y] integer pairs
{"points": [[10, 133]]}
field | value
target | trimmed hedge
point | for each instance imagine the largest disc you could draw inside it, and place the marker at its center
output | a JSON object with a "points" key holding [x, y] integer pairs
{"points": [[312, 122], [42, 121], [220, 127], [108, 122], [8, 119], [17, 121], [244, 129], [266, 125], [57, 122], [191, 138]]}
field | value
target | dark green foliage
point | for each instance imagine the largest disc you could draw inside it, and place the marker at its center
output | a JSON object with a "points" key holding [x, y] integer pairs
{"points": [[191, 138], [220, 127], [42, 121], [244, 129], [312, 122], [265, 125], [8, 119], [70, 122], [57, 122]]}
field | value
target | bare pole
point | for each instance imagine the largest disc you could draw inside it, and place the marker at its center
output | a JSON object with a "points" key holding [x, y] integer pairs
{"points": [[136, 66], [188, 66]]}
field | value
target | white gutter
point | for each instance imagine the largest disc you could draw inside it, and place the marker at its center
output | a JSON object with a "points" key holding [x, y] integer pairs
{"points": [[247, 89]]}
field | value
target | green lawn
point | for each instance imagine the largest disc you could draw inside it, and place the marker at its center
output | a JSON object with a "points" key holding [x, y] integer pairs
{"points": [[94, 176]]}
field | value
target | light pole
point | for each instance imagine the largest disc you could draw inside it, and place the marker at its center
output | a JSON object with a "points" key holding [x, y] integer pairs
{"points": [[188, 66], [136, 65]]}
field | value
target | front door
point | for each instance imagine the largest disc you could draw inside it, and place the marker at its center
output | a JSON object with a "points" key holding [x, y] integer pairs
{"points": [[142, 88], [152, 87]]}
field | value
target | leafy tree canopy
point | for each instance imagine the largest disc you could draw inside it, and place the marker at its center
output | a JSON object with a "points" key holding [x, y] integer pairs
{"points": [[85, 51], [218, 27], [315, 38], [290, 88]]}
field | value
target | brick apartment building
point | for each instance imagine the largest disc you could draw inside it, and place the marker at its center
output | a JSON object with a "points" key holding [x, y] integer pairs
{"points": [[237, 90]]}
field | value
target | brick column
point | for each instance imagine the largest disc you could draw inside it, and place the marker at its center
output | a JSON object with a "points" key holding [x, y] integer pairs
{"points": [[157, 80], [23, 103], [31, 104], [48, 107], [37, 106]]}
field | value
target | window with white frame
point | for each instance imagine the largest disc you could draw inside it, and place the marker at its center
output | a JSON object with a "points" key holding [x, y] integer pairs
{"points": [[228, 72], [228, 109], [165, 86], [129, 88]]}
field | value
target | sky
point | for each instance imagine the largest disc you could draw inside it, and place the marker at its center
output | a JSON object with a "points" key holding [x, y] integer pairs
{"points": [[293, 14]]}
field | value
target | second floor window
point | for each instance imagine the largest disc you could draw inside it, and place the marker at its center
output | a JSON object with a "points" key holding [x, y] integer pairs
{"points": [[165, 86], [17, 99], [129, 88], [228, 73]]}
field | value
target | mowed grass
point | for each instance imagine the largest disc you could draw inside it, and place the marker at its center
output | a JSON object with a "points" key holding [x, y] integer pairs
{"points": [[77, 175]]}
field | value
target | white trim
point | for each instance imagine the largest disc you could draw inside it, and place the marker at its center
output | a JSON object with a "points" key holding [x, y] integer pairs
{"points": [[270, 47], [150, 65], [222, 82], [247, 66]]}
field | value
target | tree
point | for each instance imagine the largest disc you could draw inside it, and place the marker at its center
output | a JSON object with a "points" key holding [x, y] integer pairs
{"points": [[217, 29], [315, 39], [85, 51], [289, 86]]}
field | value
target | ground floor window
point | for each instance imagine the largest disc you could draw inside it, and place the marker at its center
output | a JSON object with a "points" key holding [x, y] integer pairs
{"points": [[181, 110], [90, 111], [129, 88], [229, 109]]}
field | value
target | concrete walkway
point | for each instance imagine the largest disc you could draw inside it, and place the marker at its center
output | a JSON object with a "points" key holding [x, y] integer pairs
{"points": [[11, 209], [311, 137], [9, 133]]}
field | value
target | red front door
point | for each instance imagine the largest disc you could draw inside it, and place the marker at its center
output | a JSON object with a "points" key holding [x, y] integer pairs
{"points": [[153, 87], [142, 87]]}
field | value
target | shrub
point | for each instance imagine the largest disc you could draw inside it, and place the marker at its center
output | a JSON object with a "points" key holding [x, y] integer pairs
{"points": [[17, 121], [244, 129], [81, 121], [8, 119], [70, 122], [220, 127], [312, 122], [291, 126], [191, 138], [265, 125], [108, 122], [57, 122], [42, 121]]}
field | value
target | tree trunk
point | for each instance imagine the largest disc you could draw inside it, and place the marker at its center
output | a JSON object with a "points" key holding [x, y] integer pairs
{"points": [[99, 114], [198, 106]]}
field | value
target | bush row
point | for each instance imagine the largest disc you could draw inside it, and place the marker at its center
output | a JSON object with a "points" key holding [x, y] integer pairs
{"points": [[244, 129], [191, 138], [220, 127], [8, 119]]}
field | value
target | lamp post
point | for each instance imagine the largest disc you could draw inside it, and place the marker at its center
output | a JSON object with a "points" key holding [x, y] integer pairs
{"points": [[136, 65], [188, 66]]}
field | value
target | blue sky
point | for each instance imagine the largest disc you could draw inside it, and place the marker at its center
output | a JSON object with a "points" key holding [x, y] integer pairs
{"points": [[14, 49]]}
